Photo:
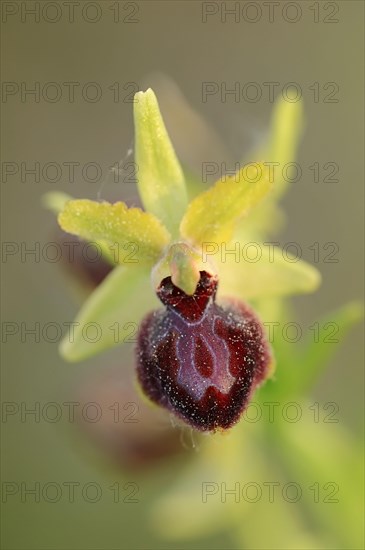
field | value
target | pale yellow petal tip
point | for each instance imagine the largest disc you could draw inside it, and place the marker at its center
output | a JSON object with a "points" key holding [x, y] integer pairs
{"points": [[147, 93], [71, 352], [55, 201], [355, 311], [66, 351], [314, 278], [308, 277], [143, 103]]}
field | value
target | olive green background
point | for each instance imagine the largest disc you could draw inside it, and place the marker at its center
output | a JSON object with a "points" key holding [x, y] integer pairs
{"points": [[169, 38]]}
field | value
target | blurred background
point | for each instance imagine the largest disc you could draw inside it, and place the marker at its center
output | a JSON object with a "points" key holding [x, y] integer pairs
{"points": [[121, 47]]}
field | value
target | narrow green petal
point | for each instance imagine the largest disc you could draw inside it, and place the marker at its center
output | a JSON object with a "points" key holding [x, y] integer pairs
{"points": [[271, 275], [281, 148], [285, 133], [160, 177], [132, 235], [111, 315], [212, 215]]}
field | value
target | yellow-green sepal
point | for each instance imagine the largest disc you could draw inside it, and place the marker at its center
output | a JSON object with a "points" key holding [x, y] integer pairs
{"points": [[111, 315], [161, 181], [132, 235], [213, 214]]}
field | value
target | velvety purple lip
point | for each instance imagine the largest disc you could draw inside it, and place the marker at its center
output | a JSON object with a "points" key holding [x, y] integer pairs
{"points": [[198, 359]]}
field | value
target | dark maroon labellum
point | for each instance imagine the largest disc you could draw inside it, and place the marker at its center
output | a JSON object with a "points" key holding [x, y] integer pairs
{"points": [[201, 360]]}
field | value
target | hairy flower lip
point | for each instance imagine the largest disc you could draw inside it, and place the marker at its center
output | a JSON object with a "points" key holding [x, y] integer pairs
{"points": [[200, 360]]}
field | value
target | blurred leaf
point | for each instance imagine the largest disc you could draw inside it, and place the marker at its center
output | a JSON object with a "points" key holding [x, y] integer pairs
{"points": [[160, 177], [329, 463], [274, 312], [192, 507], [134, 235], [326, 335], [111, 315], [285, 525], [212, 215], [211, 497], [272, 275]]}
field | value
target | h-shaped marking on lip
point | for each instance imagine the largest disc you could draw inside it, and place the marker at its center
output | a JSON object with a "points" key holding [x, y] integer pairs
{"points": [[188, 375]]}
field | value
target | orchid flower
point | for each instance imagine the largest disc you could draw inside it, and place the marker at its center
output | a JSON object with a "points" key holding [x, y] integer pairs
{"points": [[180, 233]]}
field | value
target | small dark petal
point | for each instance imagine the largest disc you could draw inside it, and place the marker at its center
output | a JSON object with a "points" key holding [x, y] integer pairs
{"points": [[201, 360]]}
